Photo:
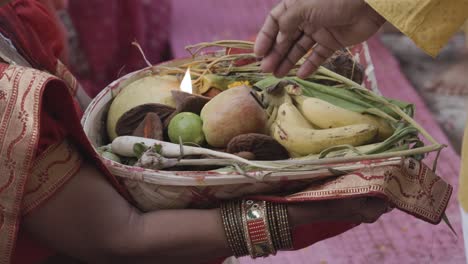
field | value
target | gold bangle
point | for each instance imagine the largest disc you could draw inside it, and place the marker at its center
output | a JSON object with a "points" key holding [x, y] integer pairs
{"points": [[240, 229], [267, 227], [237, 228], [280, 225], [227, 229], [230, 213], [273, 226], [286, 229]]}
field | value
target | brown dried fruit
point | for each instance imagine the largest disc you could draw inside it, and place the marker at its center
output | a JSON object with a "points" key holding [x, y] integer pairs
{"points": [[129, 121], [186, 102], [246, 155], [343, 63], [212, 92], [150, 127], [262, 147]]}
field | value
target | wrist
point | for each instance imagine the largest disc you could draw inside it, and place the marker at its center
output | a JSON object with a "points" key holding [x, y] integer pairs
{"points": [[256, 228]]}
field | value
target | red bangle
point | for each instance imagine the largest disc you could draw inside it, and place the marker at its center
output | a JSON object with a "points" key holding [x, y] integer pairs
{"points": [[256, 227]]}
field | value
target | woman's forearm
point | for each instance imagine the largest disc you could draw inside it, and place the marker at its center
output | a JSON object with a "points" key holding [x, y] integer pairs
{"points": [[89, 220], [173, 236]]}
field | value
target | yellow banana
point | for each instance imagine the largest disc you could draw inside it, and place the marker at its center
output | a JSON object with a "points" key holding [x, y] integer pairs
{"points": [[298, 136], [326, 115]]}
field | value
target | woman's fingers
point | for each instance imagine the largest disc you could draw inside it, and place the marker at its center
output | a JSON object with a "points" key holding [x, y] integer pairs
{"points": [[370, 210], [300, 48], [327, 44], [319, 54], [277, 54], [359, 210], [267, 36], [355, 210]]}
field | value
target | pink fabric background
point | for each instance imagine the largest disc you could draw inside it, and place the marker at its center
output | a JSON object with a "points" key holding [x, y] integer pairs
{"points": [[208, 20], [106, 30]]}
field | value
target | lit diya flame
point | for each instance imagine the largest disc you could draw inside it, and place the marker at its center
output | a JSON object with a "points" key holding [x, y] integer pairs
{"points": [[186, 84]]}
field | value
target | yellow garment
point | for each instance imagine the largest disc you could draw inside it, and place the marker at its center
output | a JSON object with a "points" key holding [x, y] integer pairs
{"points": [[465, 30], [429, 23], [463, 188]]}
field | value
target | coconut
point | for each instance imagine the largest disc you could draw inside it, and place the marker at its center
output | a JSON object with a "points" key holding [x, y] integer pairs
{"points": [[151, 89]]}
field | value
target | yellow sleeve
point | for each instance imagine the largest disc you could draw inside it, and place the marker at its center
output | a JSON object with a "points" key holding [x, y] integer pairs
{"points": [[429, 23]]}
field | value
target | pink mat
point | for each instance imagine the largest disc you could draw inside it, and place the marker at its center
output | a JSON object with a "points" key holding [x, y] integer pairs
{"points": [[396, 237]]}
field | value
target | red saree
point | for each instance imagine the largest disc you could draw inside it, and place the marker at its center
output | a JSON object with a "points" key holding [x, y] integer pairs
{"points": [[39, 124], [39, 129]]}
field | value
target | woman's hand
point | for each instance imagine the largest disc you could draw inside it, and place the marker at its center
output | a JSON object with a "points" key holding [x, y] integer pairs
{"points": [[293, 27], [356, 210]]}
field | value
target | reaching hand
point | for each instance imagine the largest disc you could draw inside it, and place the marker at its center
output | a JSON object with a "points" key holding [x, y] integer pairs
{"points": [[293, 27]]}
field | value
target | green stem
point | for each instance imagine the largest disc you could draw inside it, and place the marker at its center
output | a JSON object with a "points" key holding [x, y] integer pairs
{"points": [[386, 155], [396, 109]]}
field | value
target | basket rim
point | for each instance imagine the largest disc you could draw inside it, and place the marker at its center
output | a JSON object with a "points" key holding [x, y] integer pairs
{"points": [[213, 178]]}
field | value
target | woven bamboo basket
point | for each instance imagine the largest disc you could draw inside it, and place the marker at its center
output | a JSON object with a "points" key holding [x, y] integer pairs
{"points": [[153, 189]]}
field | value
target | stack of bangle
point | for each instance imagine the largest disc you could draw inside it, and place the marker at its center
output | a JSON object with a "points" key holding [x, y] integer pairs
{"points": [[256, 228]]}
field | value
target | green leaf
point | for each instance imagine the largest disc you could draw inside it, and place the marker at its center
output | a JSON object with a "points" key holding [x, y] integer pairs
{"points": [[129, 161], [327, 151], [111, 156], [220, 82], [401, 134], [157, 148], [103, 149], [418, 144], [351, 99], [139, 149]]}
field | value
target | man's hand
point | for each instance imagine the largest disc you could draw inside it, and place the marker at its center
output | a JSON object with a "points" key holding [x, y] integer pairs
{"points": [[293, 27]]}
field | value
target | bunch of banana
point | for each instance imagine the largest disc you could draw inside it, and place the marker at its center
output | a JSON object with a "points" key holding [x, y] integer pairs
{"points": [[326, 115], [307, 125]]}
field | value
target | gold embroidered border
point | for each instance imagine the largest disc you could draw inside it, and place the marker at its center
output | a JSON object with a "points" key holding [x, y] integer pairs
{"points": [[49, 172], [20, 93], [64, 74], [414, 188]]}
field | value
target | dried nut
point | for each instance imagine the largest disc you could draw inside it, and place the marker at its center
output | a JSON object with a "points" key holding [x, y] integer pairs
{"points": [[343, 63], [278, 88], [246, 155], [132, 118], [263, 147], [212, 92], [182, 98], [150, 127], [186, 102]]}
